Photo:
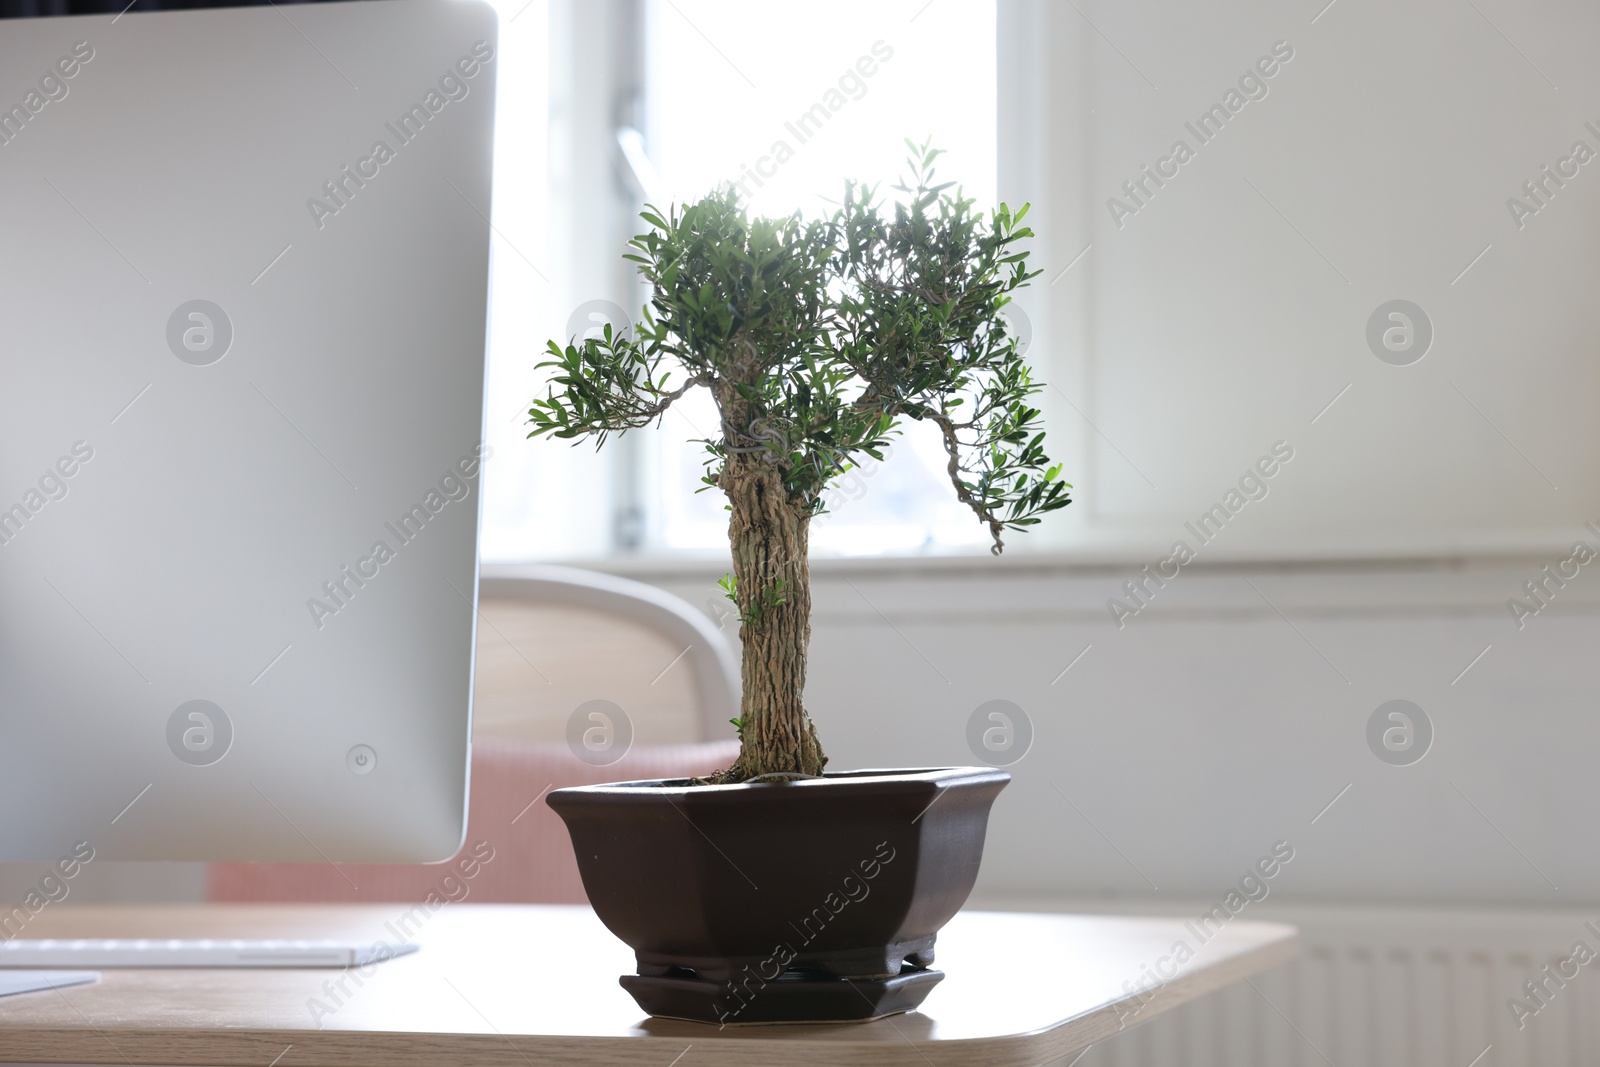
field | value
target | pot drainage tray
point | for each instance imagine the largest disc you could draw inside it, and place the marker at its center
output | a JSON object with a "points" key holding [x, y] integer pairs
{"points": [[783, 1001]]}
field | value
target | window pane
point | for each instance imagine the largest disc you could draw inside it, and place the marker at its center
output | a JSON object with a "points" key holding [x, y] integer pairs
{"points": [[789, 101], [541, 498]]}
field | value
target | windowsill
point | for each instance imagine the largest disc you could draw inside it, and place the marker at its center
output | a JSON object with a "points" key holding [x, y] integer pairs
{"points": [[1088, 561], [1043, 587], [1122, 551]]}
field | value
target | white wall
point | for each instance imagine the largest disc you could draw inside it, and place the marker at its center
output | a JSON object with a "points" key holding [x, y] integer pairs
{"points": [[1211, 726]]}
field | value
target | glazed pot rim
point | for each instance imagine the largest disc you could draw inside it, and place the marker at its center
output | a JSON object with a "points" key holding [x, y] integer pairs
{"points": [[832, 781]]}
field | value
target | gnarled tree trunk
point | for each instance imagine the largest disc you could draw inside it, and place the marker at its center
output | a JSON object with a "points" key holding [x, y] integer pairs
{"points": [[768, 535]]}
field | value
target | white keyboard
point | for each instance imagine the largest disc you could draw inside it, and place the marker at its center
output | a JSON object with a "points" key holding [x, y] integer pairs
{"points": [[117, 952]]}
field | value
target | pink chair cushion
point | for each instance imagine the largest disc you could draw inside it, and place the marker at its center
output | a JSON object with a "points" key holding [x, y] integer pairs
{"points": [[516, 852]]}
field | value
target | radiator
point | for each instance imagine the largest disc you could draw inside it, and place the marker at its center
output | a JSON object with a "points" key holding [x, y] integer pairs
{"points": [[1376, 987]]}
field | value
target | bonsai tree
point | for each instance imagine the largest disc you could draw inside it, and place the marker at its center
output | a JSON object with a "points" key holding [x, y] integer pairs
{"points": [[817, 340]]}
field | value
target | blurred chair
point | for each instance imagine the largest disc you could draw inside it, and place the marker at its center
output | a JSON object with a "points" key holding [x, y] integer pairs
{"points": [[549, 640]]}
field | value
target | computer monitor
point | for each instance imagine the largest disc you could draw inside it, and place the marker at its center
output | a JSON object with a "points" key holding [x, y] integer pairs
{"points": [[243, 295]]}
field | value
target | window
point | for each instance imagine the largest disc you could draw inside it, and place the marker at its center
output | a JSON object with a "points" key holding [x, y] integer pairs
{"points": [[1185, 328], [538, 501], [787, 101]]}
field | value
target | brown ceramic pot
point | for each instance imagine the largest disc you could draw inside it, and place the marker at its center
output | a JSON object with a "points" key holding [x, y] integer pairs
{"points": [[769, 901]]}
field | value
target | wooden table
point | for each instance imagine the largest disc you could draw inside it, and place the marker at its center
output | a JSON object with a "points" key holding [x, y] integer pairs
{"points": [[519, 985]]}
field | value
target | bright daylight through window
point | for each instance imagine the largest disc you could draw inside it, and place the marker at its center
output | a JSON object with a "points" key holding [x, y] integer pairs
{"points": [[787, 108]]}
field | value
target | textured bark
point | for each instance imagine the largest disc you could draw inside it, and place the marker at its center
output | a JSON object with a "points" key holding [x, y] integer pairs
{"points": [[769, 535]]}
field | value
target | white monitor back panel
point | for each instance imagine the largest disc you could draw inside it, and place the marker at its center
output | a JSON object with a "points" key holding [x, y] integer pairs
{"points": [[244, 297]]}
